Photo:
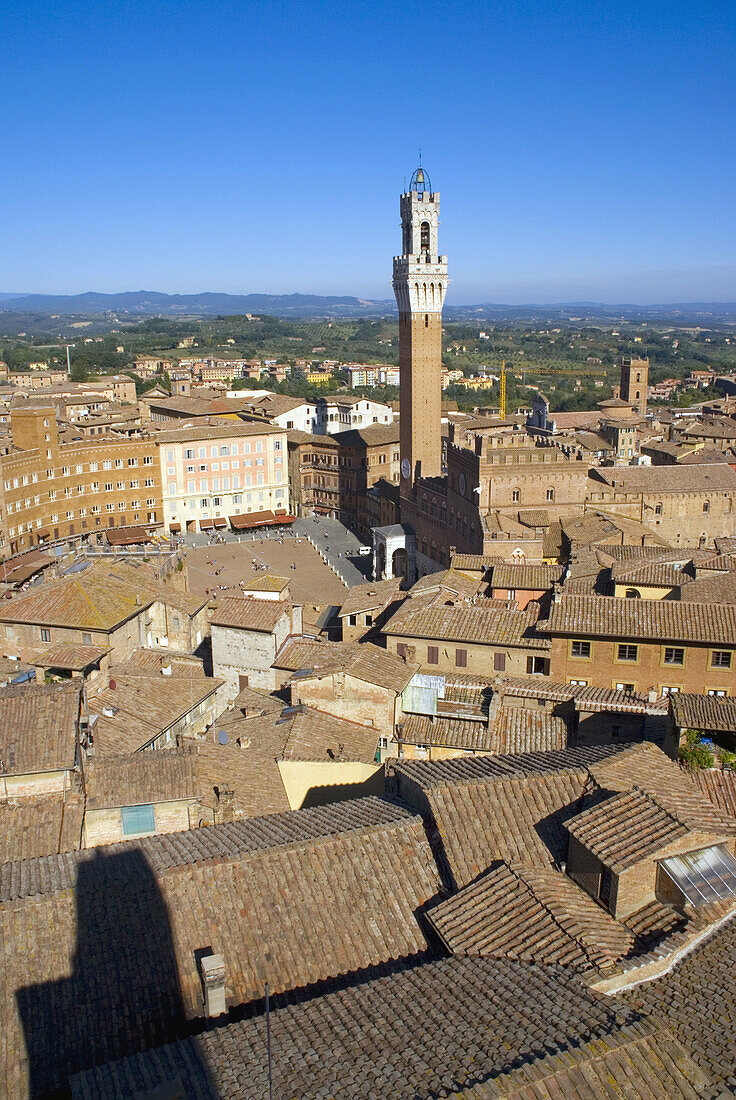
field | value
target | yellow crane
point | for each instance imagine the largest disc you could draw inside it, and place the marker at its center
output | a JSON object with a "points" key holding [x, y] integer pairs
{"points": [[502, 395]]}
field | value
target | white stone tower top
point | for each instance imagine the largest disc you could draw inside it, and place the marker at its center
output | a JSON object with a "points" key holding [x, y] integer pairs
{"points": [[420, 273]]}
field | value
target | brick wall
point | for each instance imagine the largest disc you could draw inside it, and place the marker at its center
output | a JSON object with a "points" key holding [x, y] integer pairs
{"points": [[105, 826]]}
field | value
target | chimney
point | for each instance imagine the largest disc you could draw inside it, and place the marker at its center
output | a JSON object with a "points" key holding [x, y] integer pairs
{"points": [[166, 669], [225, 806], [212, 972]]}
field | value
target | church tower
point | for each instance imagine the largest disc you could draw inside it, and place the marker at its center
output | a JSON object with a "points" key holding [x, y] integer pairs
{"points": [[635, 383], [420, 283]]}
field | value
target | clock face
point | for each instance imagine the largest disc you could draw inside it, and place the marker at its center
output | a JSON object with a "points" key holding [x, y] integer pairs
{"points": [[405, 467], [461, 484]]}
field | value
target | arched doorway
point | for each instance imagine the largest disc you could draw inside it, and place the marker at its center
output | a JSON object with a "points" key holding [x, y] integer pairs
{"points": [[398, 562]]}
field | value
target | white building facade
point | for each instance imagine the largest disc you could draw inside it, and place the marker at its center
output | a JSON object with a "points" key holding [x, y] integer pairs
{"points": [[211, 473]]}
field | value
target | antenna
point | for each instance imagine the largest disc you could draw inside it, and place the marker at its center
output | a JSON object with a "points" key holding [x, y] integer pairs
{"points": [[420, 158]]}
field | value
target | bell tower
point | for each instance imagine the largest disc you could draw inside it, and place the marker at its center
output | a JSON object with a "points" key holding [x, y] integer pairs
{"points": [[420, 283]]}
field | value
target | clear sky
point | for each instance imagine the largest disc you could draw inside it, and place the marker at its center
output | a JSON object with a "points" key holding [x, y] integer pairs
{"points": [[583, 151]]}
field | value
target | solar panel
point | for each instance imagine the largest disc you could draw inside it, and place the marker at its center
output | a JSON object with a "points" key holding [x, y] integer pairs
{"points": [[703, 876]]}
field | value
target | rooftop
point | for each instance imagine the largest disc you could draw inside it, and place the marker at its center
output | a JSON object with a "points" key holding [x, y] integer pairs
{"points": [[659, 620], [38, 727]]}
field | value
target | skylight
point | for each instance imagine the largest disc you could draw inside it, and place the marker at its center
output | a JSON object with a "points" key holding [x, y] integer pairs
{"points": [[703, 876]]}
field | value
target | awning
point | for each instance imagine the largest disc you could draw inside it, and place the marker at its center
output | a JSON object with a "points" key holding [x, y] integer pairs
{"points": [[220, 522], [42, 534], [260, 519], [206, 525], [127, 536], [174, 527]]}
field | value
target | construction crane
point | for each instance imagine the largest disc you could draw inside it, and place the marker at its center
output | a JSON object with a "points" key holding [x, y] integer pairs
{"points": [[502, 394]]}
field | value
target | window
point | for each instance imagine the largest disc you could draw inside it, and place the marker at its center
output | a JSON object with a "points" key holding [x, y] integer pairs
{"points": [[658, 509], [353, 620], [717, 693], [433, 655], [628, 688], [424, 237], [633, 594], [550, 494], [580, 649], [628, 652], [706, 506], [401, 648], [720, 658], [673, 655], [86, 639], [138, 819], [461, 658], [45, 634], [615, 733], [499, 662], [515, 496]]}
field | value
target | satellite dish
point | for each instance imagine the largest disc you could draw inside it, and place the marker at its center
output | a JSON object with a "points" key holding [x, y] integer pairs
{"points": [[222, 737], [113, 685]]}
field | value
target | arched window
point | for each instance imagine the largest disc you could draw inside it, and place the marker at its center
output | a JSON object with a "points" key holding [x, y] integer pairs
{"points": [[515, 496], [658, 509], [550, 494], [424, 237], [638, 378], [426, 320], [633, 594], [637, 393]]}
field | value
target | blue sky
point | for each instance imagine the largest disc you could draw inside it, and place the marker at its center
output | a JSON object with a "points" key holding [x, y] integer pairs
{"points": [[583, 151]]}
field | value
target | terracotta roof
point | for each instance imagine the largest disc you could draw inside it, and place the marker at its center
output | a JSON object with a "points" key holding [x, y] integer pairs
{"points": [[38, 727], [534, 517], [456, 733], [144, 705], [474, 562], [719, 787], [68, 655], [364, 661], [535, 687], [535, 577], [482, 1031], [447, 580], [374, 596], [662, 620], [32, 827], [247, 765], [162, 776], [539, 915], [243, 613], [315, 735], [298, 653], [718, 588], [717, 476], [626, 829], [520, 730], [649, 574], [267, 583], [291, 900], [683, 1000], [99, 597], [467, 624], [704, 712], [374, 435]]}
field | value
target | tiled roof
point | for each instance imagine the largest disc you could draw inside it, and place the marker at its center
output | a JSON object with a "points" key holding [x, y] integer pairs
{"points": [[452, 581], [717, 588], [684, 997], [292, 901], [247, 765], [535, 577], [32, 827], [640, 1061], [473, 562], [364, 661], [99, 597], [67, 655], [163, 776], [269, 582], [480, 1028], [243, 613], [663, 620], [298, 653], [534, 517], [704, 712], [539, 915], [719, 787], [535, 687], [714, 477], [456, 733], [467, 624], [520, 730], [38, 727], [370, 597], [625, 829], [315, 735], [649, 574], [144, 704]]}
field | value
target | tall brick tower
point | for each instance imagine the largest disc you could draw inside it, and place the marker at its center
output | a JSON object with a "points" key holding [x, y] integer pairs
{"points": [[420, 283], [635, 382]]}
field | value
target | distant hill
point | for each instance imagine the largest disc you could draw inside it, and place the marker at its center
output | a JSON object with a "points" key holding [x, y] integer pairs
{"points": [[147, 303], [151, 302]]}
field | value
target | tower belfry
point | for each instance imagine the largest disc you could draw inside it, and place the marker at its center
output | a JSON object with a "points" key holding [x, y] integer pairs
{"points": [[420, 283]]}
